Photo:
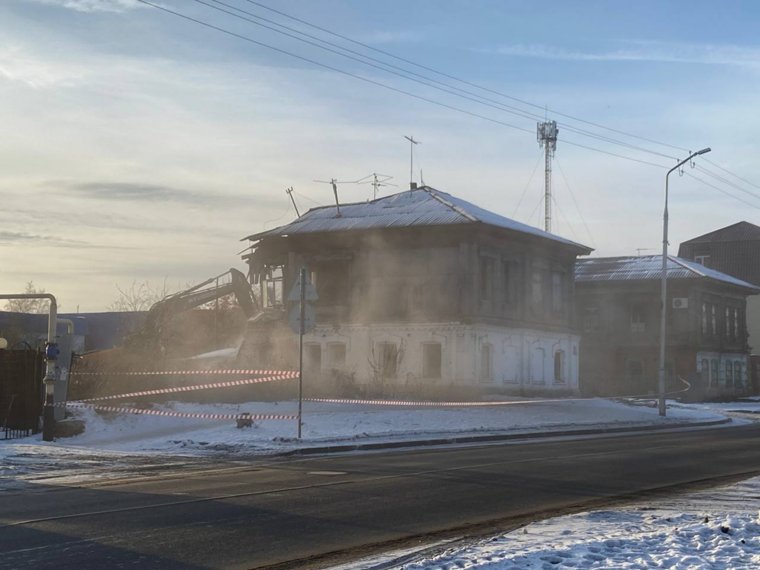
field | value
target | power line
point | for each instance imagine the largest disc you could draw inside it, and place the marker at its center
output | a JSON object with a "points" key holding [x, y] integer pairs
{"points": [[727, 182], [380, 84], [405, 74], [729, 172], [465, 82], [697, 178]]}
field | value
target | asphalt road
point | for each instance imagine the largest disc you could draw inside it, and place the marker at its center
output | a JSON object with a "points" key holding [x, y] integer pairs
{"points": [[290, 510]]}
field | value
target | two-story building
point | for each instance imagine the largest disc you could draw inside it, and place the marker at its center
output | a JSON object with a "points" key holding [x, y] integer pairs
{"points": [[618, 304], [421, 289], [735, 250]]}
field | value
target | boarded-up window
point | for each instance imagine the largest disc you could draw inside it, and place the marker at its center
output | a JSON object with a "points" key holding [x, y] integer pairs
{"points": [[387, 359], [486, 363], [738, 376], [729, 374], [559, 367], [537, 289], [312, 357], [336, 354], [537, 363], [590, 319], [331, 281], [431, 360]]}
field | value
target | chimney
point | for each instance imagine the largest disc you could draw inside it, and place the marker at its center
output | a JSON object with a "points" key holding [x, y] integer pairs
{"points": [[412, 186]]}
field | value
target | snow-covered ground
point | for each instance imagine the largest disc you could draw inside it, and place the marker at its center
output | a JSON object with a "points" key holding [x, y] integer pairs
{"points": [[718, 529], [112, 442]]}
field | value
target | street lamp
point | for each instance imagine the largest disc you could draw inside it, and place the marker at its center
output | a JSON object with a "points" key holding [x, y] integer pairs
{"points": [[664, 283]]}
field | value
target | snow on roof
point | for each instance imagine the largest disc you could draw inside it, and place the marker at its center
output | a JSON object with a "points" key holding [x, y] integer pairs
{"points": [[649, 267], [424, 206]]}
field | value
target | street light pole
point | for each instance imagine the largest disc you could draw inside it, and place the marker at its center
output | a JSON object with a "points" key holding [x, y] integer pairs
{"points": [[664, 284]]}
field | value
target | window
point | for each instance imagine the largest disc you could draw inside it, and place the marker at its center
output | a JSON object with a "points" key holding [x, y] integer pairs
{"points": [[559, 367], [590, 319], [703, 259], [537, 364], [729, 374], [507, 278], [713, 321], [486, 360], [704, 318], [727, 330], [486, 278], [313, 357], [738, 376], [336, 354], [557, 291], [736, 323], [536, 289], [638, 325], [714, 370], [705, 372], [431, 360], [387, 359], [331, 281]]}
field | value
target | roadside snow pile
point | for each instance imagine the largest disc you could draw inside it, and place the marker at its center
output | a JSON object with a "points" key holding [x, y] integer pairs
{"points": [[715, 530]]}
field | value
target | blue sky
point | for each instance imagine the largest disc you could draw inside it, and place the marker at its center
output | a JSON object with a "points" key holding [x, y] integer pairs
{"points": [[137, 146]]}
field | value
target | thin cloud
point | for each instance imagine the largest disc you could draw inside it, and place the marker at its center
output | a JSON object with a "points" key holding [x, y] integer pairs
{"points": [[643, 51], [21, 238], [89, 6]]}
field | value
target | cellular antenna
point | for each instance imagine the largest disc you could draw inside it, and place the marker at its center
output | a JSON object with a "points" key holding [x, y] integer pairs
{"points": [[547, 139], [377, 180], [289, 192], [412, 142]]}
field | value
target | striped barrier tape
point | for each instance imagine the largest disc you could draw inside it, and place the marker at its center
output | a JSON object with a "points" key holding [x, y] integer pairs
{"points": [[286, 373], [188, 415], [179, 389], [430, 404]]}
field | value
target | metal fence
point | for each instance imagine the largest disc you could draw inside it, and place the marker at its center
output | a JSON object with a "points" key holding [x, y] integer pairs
{"points": [[21, 392]]}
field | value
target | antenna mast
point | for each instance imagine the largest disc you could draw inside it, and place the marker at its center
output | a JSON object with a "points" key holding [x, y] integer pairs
{"points": [[547, 139], [412, 142], [289, 192]]}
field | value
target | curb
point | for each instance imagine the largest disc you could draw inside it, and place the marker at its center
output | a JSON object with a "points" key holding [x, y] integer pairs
{"points": [[492, 438]]}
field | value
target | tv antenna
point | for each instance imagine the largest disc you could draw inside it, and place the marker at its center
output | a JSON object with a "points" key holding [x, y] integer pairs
{"points": [[412, 143], [289, 192], [377, 181], [334, 183]]}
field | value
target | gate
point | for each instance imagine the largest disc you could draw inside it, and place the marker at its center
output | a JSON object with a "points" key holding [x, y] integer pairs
{"points": [[21, 392]]}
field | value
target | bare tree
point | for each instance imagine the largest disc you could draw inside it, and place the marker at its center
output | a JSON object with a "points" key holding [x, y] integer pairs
{"points": [[138, 296], [29, 305]]}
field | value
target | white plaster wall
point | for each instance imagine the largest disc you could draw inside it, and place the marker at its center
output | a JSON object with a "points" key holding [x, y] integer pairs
{"points": [[520, 358]]}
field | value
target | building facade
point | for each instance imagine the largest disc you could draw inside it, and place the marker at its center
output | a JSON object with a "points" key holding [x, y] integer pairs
{"points": [[421, 291], [734, 250], [618, 304]]}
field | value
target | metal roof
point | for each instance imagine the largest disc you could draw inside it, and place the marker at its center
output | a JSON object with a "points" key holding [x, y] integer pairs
{"points": [[740, 231], [424, 206], [649, 268]]}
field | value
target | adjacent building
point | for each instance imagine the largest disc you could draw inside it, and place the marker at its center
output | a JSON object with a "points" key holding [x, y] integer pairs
{"points": [[420, 290], [618, 311], [735, 250]]}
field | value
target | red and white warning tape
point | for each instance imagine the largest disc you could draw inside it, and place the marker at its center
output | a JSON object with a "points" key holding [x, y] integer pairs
{"points": [[191, 388], [429, 404], [189, 415], [283, 373]]}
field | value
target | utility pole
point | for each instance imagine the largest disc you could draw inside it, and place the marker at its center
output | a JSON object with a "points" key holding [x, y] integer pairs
{"points": [[412, 142], [547, 139]]}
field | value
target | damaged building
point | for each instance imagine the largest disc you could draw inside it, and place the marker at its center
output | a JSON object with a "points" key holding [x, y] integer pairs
{"points": [[420, 291]]}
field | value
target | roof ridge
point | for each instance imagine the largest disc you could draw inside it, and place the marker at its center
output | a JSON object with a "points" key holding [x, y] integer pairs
{"points": [[461, 211], [687, 266]]}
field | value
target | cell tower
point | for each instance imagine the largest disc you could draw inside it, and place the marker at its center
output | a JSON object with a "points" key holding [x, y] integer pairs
{"points": [[547, 139]]}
